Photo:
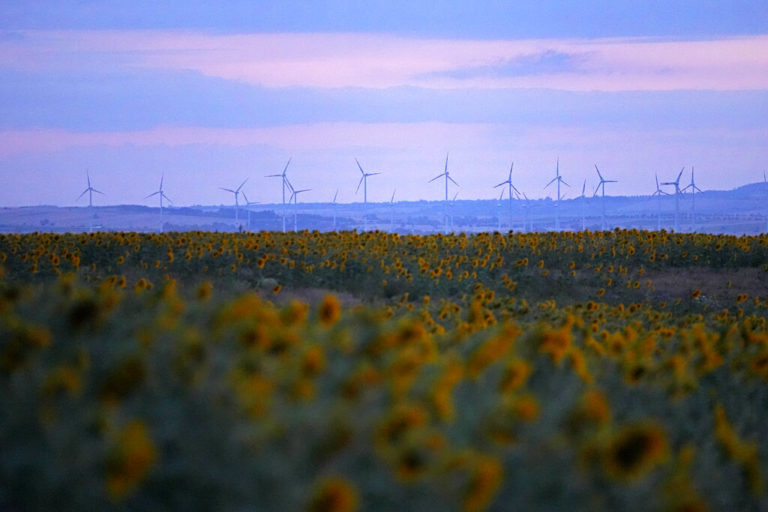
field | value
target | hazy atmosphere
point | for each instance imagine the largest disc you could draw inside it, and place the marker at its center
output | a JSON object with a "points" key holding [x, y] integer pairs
{"points": [[365, 256], [209, 95]]}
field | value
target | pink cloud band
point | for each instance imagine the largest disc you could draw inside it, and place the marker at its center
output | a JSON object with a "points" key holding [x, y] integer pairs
{"points": [[379, 61]]}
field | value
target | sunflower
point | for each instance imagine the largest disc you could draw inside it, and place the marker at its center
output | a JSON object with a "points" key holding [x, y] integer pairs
{"points": [[635, 451], [333, 494], [329, 311]]}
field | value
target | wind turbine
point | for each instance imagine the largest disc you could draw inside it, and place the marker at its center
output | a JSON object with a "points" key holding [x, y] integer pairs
{"points": [[508, 182], [583, 201], [236, 193], [658, 193], [295, 198], [162, 196], [392, 210], [602, 183], [693, 188], [283, 183], [527, 206], [557, 179], [452, 205], [334, 208], [90, 190], [765, 180], [676, 184], [283, 179], [447, 176], [247, 207], [364, 181]]}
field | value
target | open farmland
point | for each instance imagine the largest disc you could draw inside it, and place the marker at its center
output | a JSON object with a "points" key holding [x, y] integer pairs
{"points": [[616, 370]]}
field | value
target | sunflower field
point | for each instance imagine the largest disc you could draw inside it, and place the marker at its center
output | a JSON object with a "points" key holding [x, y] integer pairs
{"points": [[342, 371]]}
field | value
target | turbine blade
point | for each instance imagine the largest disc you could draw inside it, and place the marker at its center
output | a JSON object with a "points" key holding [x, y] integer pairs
{"points": [[81, 195], [514, 188], [285, 169], [227, 189], [678, 176], [97, 191], [564, 183], [359, 183], [166, 198], [372, 173], [446, 163], [246, 198], [161, 181], [335, 195], [500, 184], [453, 180], [551, 182], [241, 185], [436, 177], [273, 176], [598, 173], [360, 166], [152, 194]]}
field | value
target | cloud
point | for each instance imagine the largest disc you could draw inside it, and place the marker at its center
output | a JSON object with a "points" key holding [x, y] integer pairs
{"points": [[541, 63], [338, 60]]}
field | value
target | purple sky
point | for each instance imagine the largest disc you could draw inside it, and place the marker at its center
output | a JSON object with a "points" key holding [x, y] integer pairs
{"points": [[209, 96]]}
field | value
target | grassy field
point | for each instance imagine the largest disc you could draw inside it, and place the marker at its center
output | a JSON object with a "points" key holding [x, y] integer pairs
{"points": [[620, 370]]}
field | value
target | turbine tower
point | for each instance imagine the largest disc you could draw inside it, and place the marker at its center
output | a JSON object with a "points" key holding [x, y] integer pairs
{"points": [[90, 190], [527, 205], [557, 179], [658, 193], [447, 176], [236, 192], [452, 208], [160, 193], [676, 184], [602, 183], [392, 210], [693, 188], [583, 201], [334, 208], [364, 181], [498, 216]]}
